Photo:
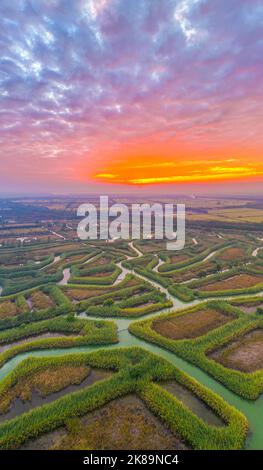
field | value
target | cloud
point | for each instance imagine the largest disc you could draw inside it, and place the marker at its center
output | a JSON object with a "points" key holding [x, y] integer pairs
{"points": [[84, 80]]}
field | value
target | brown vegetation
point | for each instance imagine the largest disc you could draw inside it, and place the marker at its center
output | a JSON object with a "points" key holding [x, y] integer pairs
{"points": [[123, 424], [40, 300], [244, 353], [81, 294], [178, 258], [236, 282], [190, 325], [231, 254], [7, 309], [44, 382], [192, 272]]}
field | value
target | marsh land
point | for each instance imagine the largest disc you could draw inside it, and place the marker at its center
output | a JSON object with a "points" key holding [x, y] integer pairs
{"points": [[123, 344]]}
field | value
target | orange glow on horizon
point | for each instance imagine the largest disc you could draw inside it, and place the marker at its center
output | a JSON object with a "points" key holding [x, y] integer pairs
{"points": [[224, 174], [143, 168]]}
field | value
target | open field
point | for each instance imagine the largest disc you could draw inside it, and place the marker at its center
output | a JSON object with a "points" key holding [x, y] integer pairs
{"points": [[240, 215], [191, 325], [39, 300], [240, 281], [8, 309], [245, 353], [124, 423], [231, 254]]}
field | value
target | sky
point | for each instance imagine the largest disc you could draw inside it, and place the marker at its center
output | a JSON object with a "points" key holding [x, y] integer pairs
{"points": [[130, 95]]}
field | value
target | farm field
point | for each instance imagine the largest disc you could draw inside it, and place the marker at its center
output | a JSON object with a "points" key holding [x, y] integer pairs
{"points": [[123, 423], [244, 353], [138, 332], [236, 282], [190, 325], [231, 254], [240, 215]]}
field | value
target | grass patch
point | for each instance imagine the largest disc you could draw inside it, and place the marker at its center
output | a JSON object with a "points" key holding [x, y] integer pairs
{"points": [[137, 372], [196, 351]]}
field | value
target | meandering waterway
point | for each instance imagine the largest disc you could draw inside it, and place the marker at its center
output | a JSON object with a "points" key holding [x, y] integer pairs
{"points": [[252, 410]]}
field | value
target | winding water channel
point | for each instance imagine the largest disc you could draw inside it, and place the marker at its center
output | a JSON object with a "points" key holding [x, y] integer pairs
{"points": [[252, 410]]}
